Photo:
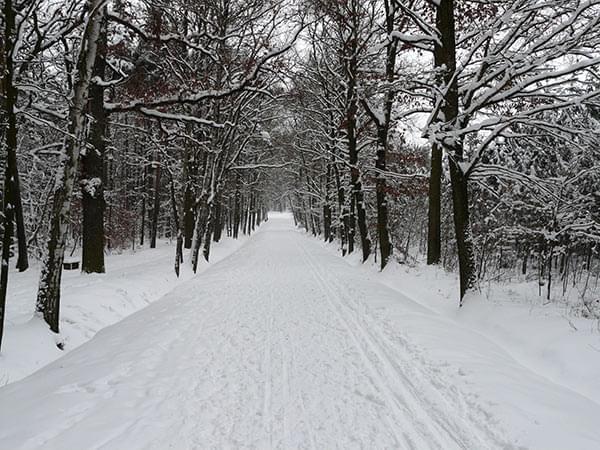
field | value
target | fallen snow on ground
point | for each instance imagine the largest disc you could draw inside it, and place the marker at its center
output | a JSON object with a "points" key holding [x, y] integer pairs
{"points": [[89, 302], [284, 344], [544, 337]]}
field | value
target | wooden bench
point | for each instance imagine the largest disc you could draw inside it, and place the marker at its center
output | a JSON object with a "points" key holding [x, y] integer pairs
{"points": [[71, 264]]}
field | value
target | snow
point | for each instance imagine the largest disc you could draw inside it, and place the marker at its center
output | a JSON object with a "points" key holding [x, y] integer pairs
{"points": [[89, 302], [419, 40], [71, 259], [91, 185], [284, 344], [544, 337]]}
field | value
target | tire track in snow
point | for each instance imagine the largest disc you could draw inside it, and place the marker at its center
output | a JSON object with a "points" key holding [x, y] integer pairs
{"points": [[267, 410], [379, 385], [374, 344], [287, 343], [424, 381]]}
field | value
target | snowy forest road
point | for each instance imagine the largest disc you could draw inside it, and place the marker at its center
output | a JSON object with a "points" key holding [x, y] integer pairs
{"points": [[285, 345]]}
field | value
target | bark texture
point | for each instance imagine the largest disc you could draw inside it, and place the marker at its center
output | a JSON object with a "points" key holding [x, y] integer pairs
{"points": [[434, 224], [92, 171]]}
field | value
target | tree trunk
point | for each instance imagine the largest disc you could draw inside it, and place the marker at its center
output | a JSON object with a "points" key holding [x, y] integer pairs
{"points": [[245, 215], [327, 235], [6, 243], [188, 216], [445, 62], [92, 172], [343, 213], [144, 187], [179, 247], [550, 257], [217, 220], [210, 207], [189, 212], [383, 128], [156, 208], [383, 234], [462, 228], [10, 138], [361, 216], [328, 228], [237, 210], [48, 298], [434, 225], [199, 233], [311, 216], [252, 217], [357, 194], [525, 260], [351, 223], [22, 258], [229, 217], [259, 215]]}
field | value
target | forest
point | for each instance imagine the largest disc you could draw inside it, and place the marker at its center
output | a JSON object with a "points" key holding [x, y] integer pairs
{"points": [[300, 224], [463, 134]]}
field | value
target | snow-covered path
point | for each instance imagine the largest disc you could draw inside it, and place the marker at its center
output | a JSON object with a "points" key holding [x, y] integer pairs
{"points": [[284, 345]]}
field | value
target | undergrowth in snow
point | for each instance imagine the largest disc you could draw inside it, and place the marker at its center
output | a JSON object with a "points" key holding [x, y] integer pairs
{"points": [[551, 338]]}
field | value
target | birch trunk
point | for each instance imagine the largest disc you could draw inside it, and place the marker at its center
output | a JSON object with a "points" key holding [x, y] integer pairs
{"points": [[48, 297]]}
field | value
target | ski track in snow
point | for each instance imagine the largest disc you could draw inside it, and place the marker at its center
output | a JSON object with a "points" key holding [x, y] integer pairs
{"points": [[274, 347]]}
